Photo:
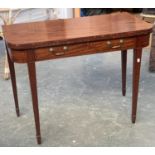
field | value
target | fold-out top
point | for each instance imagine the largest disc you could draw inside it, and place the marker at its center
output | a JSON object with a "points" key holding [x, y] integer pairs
{"points": [[76, 30]]}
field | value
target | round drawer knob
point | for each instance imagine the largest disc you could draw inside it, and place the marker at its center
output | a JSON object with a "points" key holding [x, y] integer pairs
{"points": [[109, 42], [65, 48], [121, 41], [51, 49]]}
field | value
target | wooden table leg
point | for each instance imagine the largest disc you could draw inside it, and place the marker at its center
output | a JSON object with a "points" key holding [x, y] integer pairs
{"points": [[33, 85], [6, 69], [124, 65], [137, 54], [13, 81]]}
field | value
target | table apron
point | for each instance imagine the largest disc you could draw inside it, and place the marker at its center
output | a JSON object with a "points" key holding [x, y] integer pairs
{"points": [[47, 53]]}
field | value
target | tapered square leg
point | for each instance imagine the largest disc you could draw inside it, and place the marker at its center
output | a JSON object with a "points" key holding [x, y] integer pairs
{"points": [[6, 69], [33, 85], [124, 65], [13, 81], [137, 54]]}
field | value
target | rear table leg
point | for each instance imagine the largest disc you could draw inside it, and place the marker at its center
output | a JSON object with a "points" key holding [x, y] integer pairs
{"points": [[13, 81], [124, 65]]}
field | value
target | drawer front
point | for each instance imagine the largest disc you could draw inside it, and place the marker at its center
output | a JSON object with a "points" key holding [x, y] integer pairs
{"points": [[84, 49]]}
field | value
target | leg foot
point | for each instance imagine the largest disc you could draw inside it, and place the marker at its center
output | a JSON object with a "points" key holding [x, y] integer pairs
{"points": [[133, 119], [17, 112], [38, 139]]}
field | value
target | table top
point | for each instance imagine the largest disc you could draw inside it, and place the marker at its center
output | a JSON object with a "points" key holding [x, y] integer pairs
{"points": [[71, 31]]}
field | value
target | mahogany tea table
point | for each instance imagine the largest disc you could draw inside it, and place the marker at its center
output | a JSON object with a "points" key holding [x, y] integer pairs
{"points": [[36, 41]]}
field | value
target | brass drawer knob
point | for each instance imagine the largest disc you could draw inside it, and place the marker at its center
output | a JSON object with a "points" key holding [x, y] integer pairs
{"points": [[51, 49], [109, 42], [65, 48], [121, 41]]}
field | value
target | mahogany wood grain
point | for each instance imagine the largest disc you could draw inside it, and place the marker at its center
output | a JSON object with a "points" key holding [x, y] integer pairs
{"points": [[124, 65], [13, 82], [137, 54], [33, 85], [77, 30], [78, 49]]}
